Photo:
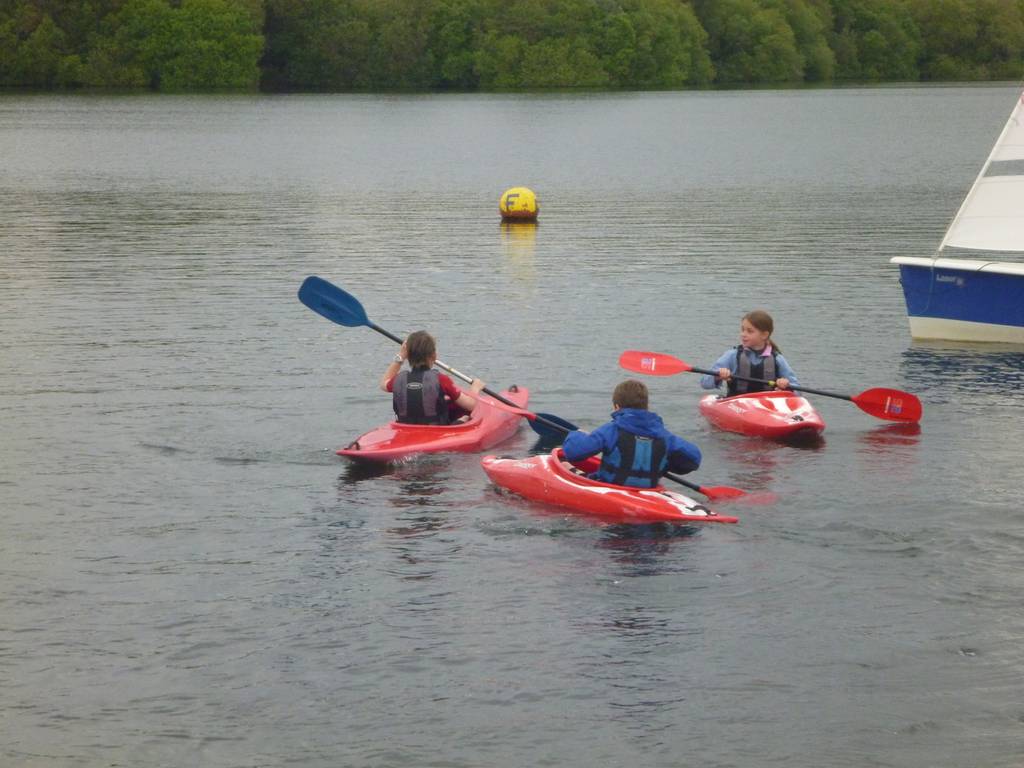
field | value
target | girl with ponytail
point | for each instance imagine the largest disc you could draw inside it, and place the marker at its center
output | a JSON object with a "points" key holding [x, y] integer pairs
{"points": [[757, 356]]}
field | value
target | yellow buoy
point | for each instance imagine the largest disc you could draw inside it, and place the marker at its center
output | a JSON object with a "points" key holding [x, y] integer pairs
{"points": [[518, 204]]}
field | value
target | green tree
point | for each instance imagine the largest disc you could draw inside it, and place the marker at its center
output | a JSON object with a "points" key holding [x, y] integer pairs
{"points": [[454, 26], [106, 66], [200, 44], [750, 43], [467, 44], [970, 40], [949, 29], [318, 44], [875, 40], [400, 55], [616, 44], [8, 52], [671, 45], [811, 22], [215, 44], [999, 47], [37, 61], [560, 62], [139, 38], [540, 44], [35, 50], [498, 60]]}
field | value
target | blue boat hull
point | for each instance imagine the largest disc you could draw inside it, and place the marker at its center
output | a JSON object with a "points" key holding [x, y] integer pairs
{"points": [[977, 302]]}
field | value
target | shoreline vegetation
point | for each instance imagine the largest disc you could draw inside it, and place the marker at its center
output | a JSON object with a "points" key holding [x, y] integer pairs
{"points": [[502, 45]]}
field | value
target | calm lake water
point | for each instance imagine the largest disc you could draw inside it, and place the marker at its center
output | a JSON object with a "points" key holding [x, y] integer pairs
{"points": [[192, 577]]}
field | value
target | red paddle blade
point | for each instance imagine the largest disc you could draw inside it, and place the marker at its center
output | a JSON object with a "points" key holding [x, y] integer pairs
{"points": [[890, 404], [721, 492], [652, 363]]}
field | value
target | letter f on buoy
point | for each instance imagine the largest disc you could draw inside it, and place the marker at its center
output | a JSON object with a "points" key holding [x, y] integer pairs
{"points": [[518, 204]]}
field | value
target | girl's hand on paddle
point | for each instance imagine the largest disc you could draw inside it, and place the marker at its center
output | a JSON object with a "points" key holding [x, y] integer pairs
{"points": [[404, 351], [724, 374], [477, 386], [782, 383]]}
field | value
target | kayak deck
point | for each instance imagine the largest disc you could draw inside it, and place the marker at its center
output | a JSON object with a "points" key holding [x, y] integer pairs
{"points": [[487, 426], [780, 415], [549, 479]]}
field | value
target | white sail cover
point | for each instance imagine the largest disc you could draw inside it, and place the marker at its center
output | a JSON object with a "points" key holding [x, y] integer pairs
{"points": [[991, 217]]}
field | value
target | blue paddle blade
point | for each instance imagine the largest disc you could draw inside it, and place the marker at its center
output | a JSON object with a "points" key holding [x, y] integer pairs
{"points": [[556, 429], [332, 302]]}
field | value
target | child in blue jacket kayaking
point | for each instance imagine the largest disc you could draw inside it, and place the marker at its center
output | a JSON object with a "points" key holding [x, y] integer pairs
{"points": [[635, 447], [756, 357]]}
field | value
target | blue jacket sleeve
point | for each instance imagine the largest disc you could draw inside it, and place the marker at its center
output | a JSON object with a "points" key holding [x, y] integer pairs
{"points": [[579, 445], [785, 371], [727, 360], [683, 456]]}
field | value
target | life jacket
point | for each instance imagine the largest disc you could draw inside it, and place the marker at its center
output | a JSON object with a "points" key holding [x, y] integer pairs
{"points": [[636, 461], [764, 369], [417, 397]]}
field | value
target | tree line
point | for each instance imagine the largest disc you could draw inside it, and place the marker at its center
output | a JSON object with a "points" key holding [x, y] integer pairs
{"points": [[343, 45]]}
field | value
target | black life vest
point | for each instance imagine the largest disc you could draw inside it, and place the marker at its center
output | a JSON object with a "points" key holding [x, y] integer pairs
{"points": [[764, 369], [635, 461], [417, 397]]}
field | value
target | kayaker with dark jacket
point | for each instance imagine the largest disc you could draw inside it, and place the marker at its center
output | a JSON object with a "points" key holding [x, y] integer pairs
{"points": [[635, 447], [756, 357], [421, 395]]}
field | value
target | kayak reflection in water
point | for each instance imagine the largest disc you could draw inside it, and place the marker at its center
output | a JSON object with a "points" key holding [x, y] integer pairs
{"points": [[635, 447], [421, 395]]}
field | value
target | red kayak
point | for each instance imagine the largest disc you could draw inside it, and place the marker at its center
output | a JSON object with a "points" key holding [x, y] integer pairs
{"points": [[547, 478], [487, 426], [777, 414]]}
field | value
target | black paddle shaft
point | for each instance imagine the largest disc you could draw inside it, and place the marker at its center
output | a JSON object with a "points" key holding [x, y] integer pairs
{"points": [[772, 384]]}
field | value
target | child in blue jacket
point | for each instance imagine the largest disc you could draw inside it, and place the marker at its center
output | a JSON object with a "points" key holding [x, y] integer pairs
{"points": [[635, 447]]}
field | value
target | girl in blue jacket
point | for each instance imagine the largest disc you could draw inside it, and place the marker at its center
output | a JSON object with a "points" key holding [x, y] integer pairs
{"points": [[756, 357]]}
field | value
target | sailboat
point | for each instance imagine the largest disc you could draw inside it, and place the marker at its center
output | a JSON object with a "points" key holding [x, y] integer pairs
{"points": [[973, 290]]}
